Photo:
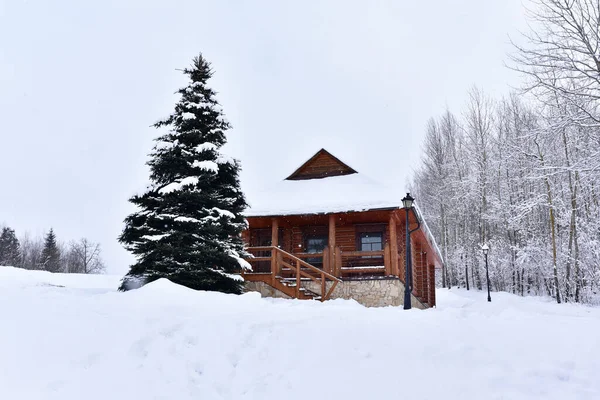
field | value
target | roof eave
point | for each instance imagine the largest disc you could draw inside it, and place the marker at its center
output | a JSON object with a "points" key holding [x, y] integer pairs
{"points": [[299, 214]]}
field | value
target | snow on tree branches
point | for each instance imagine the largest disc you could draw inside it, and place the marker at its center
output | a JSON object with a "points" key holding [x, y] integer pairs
{"points": [[10, 249], [188, 227]]}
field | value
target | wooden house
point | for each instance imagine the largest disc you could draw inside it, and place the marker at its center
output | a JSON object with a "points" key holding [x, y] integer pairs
{"points": [[328, 232]]}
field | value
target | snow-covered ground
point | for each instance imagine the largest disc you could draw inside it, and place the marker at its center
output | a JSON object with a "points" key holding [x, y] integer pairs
{"points": [[73, 337]]}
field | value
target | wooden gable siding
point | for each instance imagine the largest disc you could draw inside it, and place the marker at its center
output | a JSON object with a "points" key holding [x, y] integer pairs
{"points": [[321, 165]]}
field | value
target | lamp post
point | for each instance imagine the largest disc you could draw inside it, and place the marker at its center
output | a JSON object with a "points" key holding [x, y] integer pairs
{"points": [[407, 202], [486, 249], [466, 269]]}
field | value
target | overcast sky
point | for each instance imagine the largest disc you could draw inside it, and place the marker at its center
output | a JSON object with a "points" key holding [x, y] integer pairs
{"points": [[82, 81]]}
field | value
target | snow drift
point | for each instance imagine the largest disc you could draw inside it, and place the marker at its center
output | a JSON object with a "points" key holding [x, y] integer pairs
{"points": [[70, 337]]}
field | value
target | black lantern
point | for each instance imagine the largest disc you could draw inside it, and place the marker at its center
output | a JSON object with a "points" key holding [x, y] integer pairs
{"points": [[485, 249], [407, 201]]}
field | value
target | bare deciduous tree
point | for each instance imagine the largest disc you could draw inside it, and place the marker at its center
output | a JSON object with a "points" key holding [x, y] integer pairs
{"points": [[84, 257], [561, 54]]}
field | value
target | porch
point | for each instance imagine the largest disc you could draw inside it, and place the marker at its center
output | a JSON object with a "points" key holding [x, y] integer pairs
{"points": [[344, 245], [307, 256]]}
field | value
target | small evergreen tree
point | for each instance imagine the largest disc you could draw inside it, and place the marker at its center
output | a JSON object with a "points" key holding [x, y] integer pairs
{"points": [[50, 260], [10, 249], [189, 223]]}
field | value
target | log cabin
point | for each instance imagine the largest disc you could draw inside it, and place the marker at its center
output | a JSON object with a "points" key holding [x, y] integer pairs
{"points": [[328, 232]]}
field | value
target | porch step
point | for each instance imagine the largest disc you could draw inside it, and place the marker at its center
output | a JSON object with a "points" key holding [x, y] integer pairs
{"points": [[290, 289], [291, 282], [314, 295], [285, 285], [287, 265]]}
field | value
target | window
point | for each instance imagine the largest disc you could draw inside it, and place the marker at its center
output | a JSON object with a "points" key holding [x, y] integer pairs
{"points": [[371, 241], [369, 237], [315, 244]]}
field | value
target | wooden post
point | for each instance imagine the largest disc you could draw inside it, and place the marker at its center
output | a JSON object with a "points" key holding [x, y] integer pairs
{"points": [[326, 261], [386, 260], [393, 246], [298, 266], [279, 263], [331, 265], [274, 243], [338, 262], [274, 232]]}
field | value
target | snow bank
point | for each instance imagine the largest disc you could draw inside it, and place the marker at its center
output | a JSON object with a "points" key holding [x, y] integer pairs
{"points": [[164, 341], [9, 277]]}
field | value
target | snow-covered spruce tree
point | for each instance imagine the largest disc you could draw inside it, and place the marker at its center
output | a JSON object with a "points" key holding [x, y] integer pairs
{"points": [[10, 249], [50, 260], [189, 223]]}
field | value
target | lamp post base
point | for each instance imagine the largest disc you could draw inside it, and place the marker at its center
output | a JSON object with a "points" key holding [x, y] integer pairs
{"points": [[407, 302]]}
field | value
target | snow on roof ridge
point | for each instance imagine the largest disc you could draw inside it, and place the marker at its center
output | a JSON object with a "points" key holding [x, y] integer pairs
{"points": [[355, 192]]}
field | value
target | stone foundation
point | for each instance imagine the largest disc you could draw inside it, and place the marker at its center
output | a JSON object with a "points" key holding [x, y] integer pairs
{"points": [[265, 290], [368, 292]]}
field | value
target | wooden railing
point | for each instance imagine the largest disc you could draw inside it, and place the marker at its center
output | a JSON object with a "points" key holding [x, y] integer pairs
{"points": [[344, 261], [283, 262]]}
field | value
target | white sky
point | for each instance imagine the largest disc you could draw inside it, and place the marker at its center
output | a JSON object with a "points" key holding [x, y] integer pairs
{"points": [[82, 81]]}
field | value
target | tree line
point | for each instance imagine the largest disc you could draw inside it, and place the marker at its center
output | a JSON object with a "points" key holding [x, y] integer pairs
{"points": [[48, 254], [522, 173]]}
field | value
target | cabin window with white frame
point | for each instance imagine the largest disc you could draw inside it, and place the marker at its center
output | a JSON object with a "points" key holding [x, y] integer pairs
{"points": [[371, 241]]}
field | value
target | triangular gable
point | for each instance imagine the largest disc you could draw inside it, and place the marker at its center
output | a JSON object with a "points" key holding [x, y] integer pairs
{"points": [[322, 165]]}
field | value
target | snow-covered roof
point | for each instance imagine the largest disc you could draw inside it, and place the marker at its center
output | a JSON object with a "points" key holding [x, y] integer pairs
{"points": [[339, 193], [322, 184], [354, 192]]}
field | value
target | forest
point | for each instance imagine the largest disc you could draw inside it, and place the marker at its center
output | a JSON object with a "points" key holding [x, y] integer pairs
{"points": [[47, 253], [522, 173]]}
